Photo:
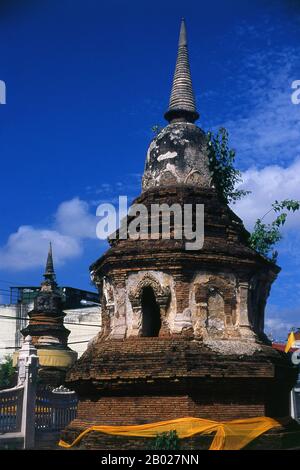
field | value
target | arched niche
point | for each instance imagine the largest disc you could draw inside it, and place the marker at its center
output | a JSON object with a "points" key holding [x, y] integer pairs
{"points": [[150, 295], [151, 320], [216, 295]]}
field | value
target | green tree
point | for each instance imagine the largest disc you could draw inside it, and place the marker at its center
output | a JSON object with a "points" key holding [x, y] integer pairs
{"points": [[221, 163], [265, 236], [166, 441], [156, 129], [226, 178], [7, 372]]}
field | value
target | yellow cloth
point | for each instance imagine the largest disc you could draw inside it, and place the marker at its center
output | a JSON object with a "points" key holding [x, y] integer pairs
{"points": [[231, 435], [290, 342]]}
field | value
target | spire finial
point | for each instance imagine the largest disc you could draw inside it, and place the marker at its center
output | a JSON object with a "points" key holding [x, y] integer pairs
{"points": [[49, 271], [182, 102], [182, 35]]}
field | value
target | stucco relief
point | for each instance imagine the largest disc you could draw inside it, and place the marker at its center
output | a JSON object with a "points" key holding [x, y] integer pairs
{"points": [[215, 312], [213, 303], [118, 321], [195, 177], [178, 150], [218, 306], [108, 292], [107, 307], [183, 321], [167, 178], [244, 313]]}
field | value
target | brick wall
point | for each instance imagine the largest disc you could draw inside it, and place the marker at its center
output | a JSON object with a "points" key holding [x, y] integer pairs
{"points": [[124, 410], [146, 409]]}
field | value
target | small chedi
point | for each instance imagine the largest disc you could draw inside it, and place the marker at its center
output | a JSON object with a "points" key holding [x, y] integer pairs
{"points": [[46, 327], [182, 330]]}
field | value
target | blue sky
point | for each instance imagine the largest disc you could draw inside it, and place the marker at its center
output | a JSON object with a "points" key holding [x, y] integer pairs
{"points": [[86, 81]]}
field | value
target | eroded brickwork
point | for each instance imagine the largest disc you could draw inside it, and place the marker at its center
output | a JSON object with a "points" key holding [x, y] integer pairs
{"points": [[182, 328]]}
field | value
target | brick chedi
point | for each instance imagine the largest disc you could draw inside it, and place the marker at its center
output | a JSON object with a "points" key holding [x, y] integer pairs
{"points": [[46, 327], [182, 329]]}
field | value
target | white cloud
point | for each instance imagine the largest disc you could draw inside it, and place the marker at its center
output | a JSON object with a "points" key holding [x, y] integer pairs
{"points": [[268, 184], [262, 121], [27, 247], [278, 328], [73, 224], [74, 221], [280, 320], [73, 218], [271, 132]]}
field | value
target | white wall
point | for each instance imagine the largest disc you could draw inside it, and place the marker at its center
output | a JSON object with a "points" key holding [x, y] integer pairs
{"points": [[84, 325], [7, 330]]}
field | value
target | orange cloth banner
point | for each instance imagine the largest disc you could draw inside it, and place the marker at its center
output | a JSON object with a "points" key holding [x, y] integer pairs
{"points": [[290, 342], [230, 435]]}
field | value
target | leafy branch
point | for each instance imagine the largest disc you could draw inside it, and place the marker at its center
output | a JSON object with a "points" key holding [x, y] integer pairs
{"points": [[156, 129], [226, 178], [265, 236], [7, 372], [166, 441], [221, 163]]}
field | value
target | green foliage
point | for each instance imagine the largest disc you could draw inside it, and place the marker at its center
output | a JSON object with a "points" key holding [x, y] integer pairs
{"points": [[166, 441], [265, 236], [226, 177], [221, 163], [156, 129], [289, 204], [7, 373]]}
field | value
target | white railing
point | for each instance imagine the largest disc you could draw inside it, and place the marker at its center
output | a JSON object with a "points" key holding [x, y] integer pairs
{"points": [[11, 401], [55, 409], [25, 410]]}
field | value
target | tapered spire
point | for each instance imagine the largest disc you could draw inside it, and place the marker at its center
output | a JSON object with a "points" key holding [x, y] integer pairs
{"points": [[182, 105], [49, 271]]}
